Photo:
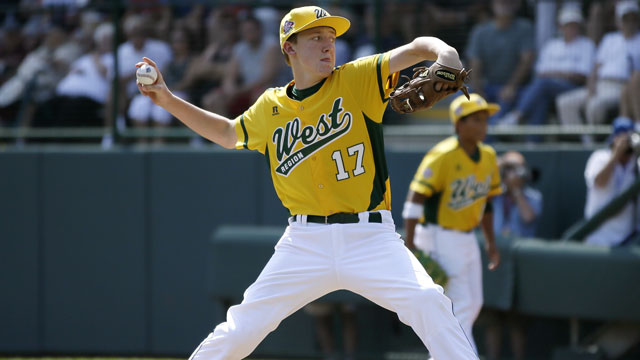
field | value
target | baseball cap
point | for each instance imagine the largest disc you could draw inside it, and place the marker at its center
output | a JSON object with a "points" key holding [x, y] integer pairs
{"points": [[461, 107], [306, 17], [620, 125], [626, 6], [570, 14]]}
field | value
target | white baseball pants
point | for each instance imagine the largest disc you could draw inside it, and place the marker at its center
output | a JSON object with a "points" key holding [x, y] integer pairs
{"points": [[459, 256], [311, 260]]}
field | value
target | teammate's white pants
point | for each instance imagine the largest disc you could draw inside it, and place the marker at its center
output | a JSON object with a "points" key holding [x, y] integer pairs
{"points": [[311, 260], [459, 256]]}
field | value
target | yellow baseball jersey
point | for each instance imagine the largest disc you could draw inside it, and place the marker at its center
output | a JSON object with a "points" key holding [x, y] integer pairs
{"points": [[326, 152], [456, 186]]}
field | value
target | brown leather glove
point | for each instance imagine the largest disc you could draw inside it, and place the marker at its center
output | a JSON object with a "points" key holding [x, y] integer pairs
{"points": [[420, 92]]}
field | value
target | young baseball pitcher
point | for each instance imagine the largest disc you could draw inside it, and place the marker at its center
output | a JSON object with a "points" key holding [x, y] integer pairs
{"points": [[449, 197], [322, 136]]}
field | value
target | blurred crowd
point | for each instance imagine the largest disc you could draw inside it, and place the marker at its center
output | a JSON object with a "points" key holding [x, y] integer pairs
{"points": [[566, 62]]}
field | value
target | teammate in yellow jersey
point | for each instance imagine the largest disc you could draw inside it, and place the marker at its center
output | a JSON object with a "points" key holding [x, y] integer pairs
{"points": [[322, 136], [449, 197]]}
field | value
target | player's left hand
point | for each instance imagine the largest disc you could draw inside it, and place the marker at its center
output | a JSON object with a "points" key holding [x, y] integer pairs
{"points": [[494, 256]]}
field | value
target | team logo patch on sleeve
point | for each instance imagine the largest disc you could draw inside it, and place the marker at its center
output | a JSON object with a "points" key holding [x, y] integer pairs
{"points": [[427, 173], [287, 27]]}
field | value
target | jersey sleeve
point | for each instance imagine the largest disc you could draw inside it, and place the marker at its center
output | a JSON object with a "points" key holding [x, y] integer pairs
{"points": [[250, 128], [428, 177], [371, 83]]}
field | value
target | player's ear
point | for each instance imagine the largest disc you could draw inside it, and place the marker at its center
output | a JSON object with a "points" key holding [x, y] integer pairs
{"points": [[288, 48]]}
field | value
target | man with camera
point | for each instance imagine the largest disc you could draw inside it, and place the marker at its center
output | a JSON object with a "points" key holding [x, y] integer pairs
{"points": [[608, 173], [515, 211], [515, 214]]}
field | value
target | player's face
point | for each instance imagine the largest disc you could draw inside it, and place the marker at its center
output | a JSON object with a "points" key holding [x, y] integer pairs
{"points": [[474, 127], [316, 50]]}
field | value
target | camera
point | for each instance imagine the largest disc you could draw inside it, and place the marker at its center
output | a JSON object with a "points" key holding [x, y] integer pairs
{"points": [[634, 143], [520, 171]]}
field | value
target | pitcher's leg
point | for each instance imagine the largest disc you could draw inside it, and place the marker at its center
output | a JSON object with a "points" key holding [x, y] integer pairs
{"points": [[387, 273], [295, 275]]}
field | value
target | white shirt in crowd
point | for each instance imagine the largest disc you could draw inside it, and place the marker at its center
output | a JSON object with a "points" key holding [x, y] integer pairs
{"points": [[128, 57], [576, 56], [85, 80], [617, 228], [618, 56]]}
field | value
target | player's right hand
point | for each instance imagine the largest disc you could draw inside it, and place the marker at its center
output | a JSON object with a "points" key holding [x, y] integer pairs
{"points": [[158, 92]]}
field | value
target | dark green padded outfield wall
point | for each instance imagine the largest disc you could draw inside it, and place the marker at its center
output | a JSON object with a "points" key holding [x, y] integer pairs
{"points": [[106, 252]]}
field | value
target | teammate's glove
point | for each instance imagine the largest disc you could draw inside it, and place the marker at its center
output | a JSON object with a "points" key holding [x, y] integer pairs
{"points": [[433, 268], [420, 92]]}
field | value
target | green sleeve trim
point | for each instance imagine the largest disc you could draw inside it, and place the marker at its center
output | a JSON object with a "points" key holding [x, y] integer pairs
{"points": [[379, 186], [421, 182], [379, 74], [244, 130], [431, 206], [266, 156], [488, 208]]}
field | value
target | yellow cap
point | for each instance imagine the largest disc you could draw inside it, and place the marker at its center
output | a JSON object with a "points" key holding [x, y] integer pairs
{"points": [[461, 107], [306, 17]]}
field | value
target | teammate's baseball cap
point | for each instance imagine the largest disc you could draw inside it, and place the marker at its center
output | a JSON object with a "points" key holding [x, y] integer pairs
{"points": [[461, 107], [306, 17]]}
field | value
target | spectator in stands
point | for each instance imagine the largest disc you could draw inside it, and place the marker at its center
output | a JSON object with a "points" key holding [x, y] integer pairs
{"points": [[12, 52], [365, 44], [601, 19], [142, 109], [498, 78], [563, 64], [608, 173], [452, 20], [207, 70], [254, 66], [85, 32], [139, 44], [615, 57], [629, 104], [516, 211], [323, 313], [33, 85], [82, 93], [515, 214]]}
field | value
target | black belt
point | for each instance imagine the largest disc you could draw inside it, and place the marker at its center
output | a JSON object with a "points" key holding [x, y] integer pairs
{"points": [[341, 218], [449, 229]]}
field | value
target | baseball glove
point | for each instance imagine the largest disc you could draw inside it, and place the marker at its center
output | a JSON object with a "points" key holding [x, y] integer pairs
{"points": [[433, 268], [420, 92]]}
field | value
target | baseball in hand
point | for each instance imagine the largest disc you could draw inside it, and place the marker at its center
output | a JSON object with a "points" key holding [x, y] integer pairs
{"points": [[146, 74]]}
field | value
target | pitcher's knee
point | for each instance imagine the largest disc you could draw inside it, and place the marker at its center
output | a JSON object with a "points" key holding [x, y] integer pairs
{"points": [[432, 296]]}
